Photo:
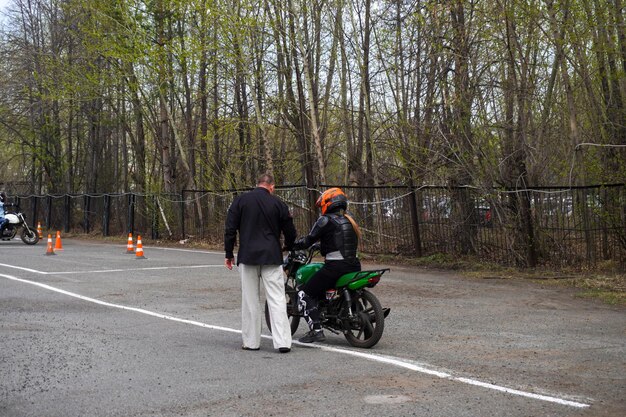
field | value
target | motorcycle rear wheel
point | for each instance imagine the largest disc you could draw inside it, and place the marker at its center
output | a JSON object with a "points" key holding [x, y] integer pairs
{"points": [[292, 310], [30, 237], [367, 327]]}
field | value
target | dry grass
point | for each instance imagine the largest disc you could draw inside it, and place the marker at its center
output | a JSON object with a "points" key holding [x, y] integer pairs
{"points": [[606, 282]]}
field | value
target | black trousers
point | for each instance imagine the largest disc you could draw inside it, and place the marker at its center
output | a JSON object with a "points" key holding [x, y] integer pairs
{"points": [[327, 277], [310, 293]]}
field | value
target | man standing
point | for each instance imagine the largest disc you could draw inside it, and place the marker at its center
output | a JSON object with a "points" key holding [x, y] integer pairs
{"points": [[260, 218]]}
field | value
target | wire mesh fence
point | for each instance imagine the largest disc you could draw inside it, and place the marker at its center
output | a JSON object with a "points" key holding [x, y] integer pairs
{"points": [[573, 226]]}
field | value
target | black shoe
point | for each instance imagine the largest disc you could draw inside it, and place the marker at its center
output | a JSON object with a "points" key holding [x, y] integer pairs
{"points": [[284, 350], [313, 336], [247, 348]]}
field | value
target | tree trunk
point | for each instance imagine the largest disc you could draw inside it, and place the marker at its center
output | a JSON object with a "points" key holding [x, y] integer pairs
{"points": [[462, 203], [163, 129]]}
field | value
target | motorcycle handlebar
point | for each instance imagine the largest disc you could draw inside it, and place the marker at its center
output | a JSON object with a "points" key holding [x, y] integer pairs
{"points": [[313, 248]]}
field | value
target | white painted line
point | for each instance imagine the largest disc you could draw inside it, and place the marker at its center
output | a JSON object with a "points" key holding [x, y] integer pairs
{"points": [[185, 250], [521, 393], [122, 307], [398, 362], [403, 363], [154, 268], [24, 269], [153, 247]]}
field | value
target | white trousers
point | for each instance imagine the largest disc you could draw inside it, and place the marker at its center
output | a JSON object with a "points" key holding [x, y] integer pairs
{"points": [[251, 316]]}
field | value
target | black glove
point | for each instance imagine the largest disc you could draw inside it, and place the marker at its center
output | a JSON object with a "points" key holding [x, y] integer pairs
{"points": [[299, 244]]}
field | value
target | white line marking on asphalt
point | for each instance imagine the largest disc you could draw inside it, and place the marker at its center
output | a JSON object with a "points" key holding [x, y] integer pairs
{"points": [[403, 363], [521, 393], [24, 269], [158, 247], [185, 250], [122, 307], [153, 268], [398, 362]]}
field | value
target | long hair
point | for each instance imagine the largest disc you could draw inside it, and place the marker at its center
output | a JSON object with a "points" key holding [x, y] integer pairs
{"points": [[355, 226]]}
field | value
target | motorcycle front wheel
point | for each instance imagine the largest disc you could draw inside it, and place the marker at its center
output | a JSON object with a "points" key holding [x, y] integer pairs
{"points": [[29, 236], [366, 326], [292, 310]]}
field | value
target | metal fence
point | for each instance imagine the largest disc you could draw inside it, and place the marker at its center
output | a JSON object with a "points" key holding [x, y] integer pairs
{"points": [[575, 226]]}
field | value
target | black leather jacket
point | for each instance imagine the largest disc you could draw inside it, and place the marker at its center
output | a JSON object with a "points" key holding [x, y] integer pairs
{"points": [[260, 218], [335, 233]]}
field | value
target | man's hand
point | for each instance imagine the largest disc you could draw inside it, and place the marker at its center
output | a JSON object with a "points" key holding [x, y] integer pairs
{"points": [[228, 262]]}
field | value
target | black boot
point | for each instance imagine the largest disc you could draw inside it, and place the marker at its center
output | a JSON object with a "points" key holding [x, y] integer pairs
{"points": [[315, 335], [308, 307]]}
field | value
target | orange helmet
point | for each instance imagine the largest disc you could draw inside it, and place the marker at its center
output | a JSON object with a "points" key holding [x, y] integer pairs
{"points": [[331, 200]]}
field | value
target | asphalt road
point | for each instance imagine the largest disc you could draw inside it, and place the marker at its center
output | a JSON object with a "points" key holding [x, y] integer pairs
{"points": [[93, 331]]}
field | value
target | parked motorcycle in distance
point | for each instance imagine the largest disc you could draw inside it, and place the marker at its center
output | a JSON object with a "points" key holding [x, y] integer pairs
{"points": [[17, 223], [349, 308]]}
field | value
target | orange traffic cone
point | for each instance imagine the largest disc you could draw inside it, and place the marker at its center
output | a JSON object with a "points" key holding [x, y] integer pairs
{"points": [[139, 251], [39, 232], [57, 242], [129, 245], [50, 250]]}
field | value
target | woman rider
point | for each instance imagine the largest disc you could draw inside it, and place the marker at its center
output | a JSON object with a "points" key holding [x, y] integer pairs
{"points": [[339, 235]]}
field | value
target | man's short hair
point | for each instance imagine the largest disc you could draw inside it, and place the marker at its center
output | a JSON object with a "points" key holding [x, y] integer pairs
{"points": [[265, 178]]}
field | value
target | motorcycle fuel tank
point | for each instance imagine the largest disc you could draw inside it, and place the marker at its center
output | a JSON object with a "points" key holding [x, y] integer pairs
{"points": [[306, 272], [12, 218]]}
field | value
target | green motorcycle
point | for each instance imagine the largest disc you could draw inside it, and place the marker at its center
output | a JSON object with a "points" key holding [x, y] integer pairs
{"points": [[349, 308]]}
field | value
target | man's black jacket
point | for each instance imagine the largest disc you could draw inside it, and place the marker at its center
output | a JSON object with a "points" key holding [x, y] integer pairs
{"points": [[259, 217]]}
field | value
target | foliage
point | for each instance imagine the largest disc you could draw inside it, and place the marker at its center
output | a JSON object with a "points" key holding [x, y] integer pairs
{"points": [[149, 95]]}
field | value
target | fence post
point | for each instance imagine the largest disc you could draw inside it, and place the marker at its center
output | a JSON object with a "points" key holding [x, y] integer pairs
{"points": [[131, 213], [106, 215], [182, 212], [587, 226], [67, 214], [86, 210], [48, 212], [155, 217], [622, 235], [417, 241], [34, 204], [529, 231], [312, 196]]}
